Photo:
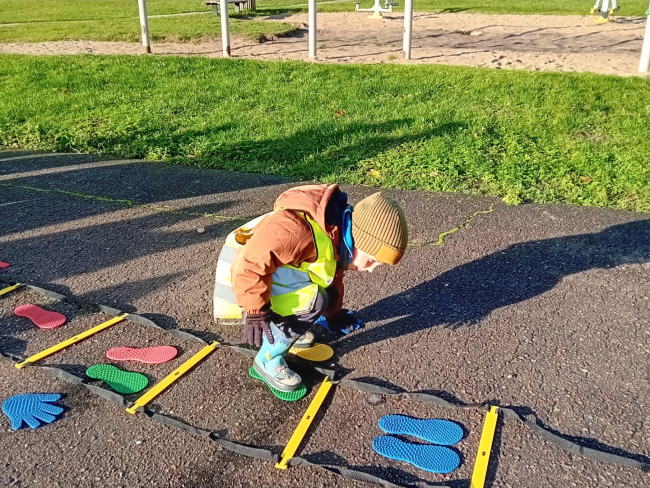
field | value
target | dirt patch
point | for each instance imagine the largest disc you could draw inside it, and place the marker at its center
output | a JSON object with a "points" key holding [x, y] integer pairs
{"points": [[530, 42]]}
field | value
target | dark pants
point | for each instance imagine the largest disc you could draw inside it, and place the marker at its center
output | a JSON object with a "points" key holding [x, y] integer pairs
{"points": [[297, 325]]}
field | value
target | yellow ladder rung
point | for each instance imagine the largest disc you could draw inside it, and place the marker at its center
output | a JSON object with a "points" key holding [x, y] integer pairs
{"points": [[72, 340], [305, 422], [173, 376], [4, 291], [484, 448]]}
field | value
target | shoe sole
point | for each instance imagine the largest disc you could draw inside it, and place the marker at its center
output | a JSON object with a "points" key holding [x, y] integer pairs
{"points": [[273, 383], [318, 352], [434, 459], [124, 382], [43, 319], [437, 431], [282, 395]]}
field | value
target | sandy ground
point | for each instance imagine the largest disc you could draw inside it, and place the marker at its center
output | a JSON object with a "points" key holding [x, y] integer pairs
{"points": [[542, 307], [531, 42]]}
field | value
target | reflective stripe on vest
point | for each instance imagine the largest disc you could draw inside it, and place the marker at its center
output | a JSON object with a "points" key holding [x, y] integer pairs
{"points": [[294, 289]]}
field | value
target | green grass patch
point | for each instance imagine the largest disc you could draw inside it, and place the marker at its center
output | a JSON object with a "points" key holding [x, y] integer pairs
{"points": [[67, 10], [192, 28], [545, 137], [117, 20]]}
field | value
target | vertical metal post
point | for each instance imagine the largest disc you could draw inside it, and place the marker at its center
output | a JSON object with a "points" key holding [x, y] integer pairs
{"points": [[312, 28], [604, 11], [644, 66], [596, 7], [144, 25], [225, 28], [408, 29]]}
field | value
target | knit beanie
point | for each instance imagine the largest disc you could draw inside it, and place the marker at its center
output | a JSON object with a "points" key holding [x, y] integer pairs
{"points": [[379, 228]]}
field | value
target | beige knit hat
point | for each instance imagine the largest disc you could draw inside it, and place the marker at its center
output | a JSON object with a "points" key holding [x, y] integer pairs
{"points": [[379, 228]]}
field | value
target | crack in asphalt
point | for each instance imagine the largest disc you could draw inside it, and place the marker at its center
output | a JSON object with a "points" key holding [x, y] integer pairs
{"points": [[130, 203], [168, 208], [441, 236]]}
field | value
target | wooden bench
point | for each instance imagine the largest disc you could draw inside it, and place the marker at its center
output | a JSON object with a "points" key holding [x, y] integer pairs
{"points": [[246, 4]]}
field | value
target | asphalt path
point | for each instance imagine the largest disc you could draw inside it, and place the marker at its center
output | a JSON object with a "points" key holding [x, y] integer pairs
{"points": [[544, 308]]}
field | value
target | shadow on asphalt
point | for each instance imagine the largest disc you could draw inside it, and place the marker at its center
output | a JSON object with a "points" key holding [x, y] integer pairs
{"points": [[391, 474], [108, 239], [467, 294], [524, 411]]}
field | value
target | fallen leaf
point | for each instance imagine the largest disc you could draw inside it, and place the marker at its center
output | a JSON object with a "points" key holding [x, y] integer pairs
{"points": [[340, 113], [374, 173], [586, 179]]}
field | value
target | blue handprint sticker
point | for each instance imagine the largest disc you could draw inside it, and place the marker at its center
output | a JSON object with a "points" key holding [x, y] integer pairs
{"points": [[32, 409]]}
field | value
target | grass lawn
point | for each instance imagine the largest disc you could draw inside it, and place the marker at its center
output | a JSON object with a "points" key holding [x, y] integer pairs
{"points": [[170, 29], [545, 137], [116, 20], [67, 10]]}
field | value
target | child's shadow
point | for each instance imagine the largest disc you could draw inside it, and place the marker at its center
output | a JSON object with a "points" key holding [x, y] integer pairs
{"points": [[467, 294]]}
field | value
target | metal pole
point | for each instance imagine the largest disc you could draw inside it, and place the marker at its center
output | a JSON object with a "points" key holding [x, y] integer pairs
{"points": [[408, 28], [596, 8], [225, 28], [604, 11], [312, 28], [144, 26], [644, 66]]}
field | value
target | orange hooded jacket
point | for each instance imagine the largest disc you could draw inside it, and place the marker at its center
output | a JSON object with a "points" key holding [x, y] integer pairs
{"points": [[284, 238]]}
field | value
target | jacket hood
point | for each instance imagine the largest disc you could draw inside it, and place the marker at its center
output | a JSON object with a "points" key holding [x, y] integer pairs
{"points": [[313, 200]]}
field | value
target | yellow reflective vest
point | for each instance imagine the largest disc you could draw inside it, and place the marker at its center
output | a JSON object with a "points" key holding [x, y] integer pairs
{"points": [[294, 288]]}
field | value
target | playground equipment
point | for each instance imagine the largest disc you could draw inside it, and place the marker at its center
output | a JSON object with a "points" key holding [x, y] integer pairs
{"points": [[144, 26], [376, 9], [605, 11], [288, 459], [73, 340], [485, 448], [644, 65], [225, 26]]}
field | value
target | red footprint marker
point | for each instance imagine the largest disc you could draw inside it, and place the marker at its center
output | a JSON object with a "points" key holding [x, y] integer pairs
{"points": [[3, 264], [149, 355], [43, 319]]}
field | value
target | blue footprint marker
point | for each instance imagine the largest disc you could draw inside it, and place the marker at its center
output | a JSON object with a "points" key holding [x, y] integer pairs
{"points": [[437, 431], [435, 459], [31, 408]]}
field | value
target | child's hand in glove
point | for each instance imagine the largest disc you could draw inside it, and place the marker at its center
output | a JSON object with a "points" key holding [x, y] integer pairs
{"points": [[258, 325], [344, 323]]}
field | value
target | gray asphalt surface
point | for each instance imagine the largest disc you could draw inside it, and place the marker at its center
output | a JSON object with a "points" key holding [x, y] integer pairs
{"points": [[541, 307]]}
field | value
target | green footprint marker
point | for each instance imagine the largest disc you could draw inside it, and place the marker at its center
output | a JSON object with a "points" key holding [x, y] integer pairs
{"points": [[290, 396], [123, 382]]}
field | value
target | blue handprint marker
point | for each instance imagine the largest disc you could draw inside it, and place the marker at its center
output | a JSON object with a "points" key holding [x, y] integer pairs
{"points": [[31, 408]]}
